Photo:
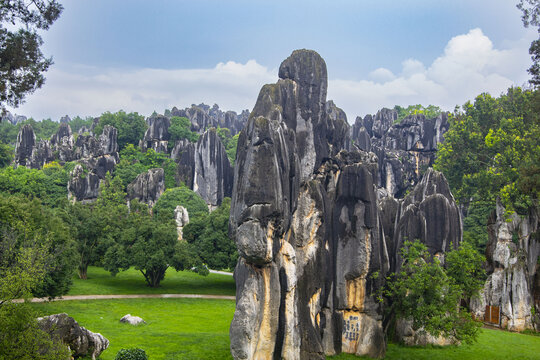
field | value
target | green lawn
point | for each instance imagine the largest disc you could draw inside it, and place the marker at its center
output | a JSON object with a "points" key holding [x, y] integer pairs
{"points": [[100, 282], [492, 344], [175, 329], [199, 329]]}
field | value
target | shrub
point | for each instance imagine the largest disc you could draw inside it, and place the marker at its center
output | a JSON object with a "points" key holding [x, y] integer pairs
{"points": [[131, 354]]}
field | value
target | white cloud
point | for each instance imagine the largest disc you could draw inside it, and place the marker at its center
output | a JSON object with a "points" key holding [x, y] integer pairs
{"points": [[88, 91], [469, 66], [381, 75]]}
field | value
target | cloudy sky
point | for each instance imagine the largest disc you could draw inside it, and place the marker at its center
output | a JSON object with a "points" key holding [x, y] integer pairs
{"points": [[140, 55]]}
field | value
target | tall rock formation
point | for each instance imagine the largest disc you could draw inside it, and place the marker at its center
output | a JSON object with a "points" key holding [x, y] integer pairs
{"points": [[147, 187], [205, 168], [405, 149], [26, 139], [157, 135], [512, 254], [95, 156], [203, 117], [305, 219]]}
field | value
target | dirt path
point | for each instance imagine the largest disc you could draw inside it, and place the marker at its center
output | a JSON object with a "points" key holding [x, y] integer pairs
{"points": [[136, 296]]}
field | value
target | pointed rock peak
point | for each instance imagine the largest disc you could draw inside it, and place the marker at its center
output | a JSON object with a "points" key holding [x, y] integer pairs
{"points": [[306, 67]]}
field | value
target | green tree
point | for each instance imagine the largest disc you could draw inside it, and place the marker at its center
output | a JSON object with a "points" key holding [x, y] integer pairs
{"points": [[22, 63], [465, 266], [423, 292], [171, 198], [209, 236], [27, 227], [77, 123], [531, 16], [131, 127], [430, 111], [181, 129], [6, 155], [229, 142], [150, 245]]}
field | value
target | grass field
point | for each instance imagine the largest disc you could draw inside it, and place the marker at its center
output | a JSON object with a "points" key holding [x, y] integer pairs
{"points": [[492, 344], [199, 329], [100, 282], [176, 328]]}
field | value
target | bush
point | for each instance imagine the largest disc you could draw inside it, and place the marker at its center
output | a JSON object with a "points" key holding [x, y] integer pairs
{"points": [[131, 354]]}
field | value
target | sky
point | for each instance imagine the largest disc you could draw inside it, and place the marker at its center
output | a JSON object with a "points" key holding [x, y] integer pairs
{"points": [[145, 56]]}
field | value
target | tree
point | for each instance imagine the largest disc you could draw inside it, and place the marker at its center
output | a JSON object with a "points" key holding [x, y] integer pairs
{"points": [[131, 127], [181, 129], [465, 266], [531, 16], [150, 245], [22, 63], [171, 198], [423, 292], [430, 111], [209, 236], [6, 155]]}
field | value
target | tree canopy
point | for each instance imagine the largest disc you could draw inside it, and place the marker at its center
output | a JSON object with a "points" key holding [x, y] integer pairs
{"points": [[131, 127], [22, 63]]}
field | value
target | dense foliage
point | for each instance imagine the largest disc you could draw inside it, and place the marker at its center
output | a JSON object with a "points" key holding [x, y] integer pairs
{"points": [[428, 295], [181, 129], [22, 63], [210, 237], [492, 150], [33, 237], [131, 127], [42, 129], [229, 142], [430, 111], [131, 354], [183, 196], [134, 162]]}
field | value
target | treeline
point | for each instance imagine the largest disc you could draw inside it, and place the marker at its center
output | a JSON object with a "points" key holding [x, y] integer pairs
{"points": [[492, 151]]}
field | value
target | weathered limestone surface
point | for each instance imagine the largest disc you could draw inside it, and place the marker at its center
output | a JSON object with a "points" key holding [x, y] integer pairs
{"points": [[95, 156], [205, 168], [305, 219], [203, 117], [147, 187], [157, 135], [405, 149], [26, 139], [181, 216], [512, 255], [80, 341]]}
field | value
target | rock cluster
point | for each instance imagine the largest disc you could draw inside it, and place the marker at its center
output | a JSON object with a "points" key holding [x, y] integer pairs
{"points": [[157, 135], [80, 341], [405, 149], [512, 254], [12, 118], [304, 216], [205, 168], [314, 233], [203, 117], [147, 187]]}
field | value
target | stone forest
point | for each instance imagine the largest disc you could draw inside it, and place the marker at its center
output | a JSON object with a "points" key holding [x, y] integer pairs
{"points": [[283, 231]]}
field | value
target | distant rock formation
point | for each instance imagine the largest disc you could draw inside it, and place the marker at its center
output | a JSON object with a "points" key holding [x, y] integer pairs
{"points": [[26, 139], [65, 119], [81, 342], [14, 119], [405, 149], [513, 283], [305, 219], [157, 135], [205, 168], [147, 187], [95, 157], [62, 142], [203, 117]]}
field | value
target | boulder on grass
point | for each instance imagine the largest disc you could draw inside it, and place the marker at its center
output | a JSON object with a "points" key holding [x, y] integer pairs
{"points": [[81, 342], [132, 320]]}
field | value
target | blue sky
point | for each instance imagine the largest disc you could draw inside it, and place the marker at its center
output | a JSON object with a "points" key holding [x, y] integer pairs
{"points": [[142, 56]]}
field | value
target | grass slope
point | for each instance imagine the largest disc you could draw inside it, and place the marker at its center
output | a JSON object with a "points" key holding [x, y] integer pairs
{"points": [[100, 282], [492, 344], [175, 329]]}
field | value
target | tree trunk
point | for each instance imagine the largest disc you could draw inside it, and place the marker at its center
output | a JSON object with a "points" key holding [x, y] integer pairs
{"points": [[83, 268]]}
